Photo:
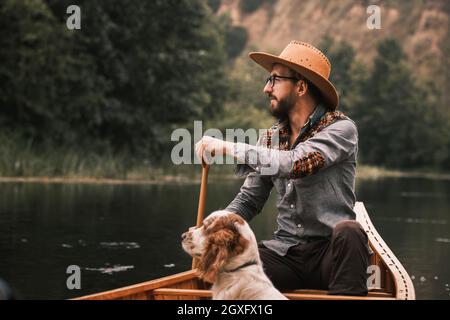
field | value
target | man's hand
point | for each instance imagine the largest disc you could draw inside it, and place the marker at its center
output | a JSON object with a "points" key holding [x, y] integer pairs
{"points": [[209, 147]]}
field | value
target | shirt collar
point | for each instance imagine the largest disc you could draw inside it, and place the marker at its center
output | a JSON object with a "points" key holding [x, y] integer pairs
{"points": [[315, 115], [284, 129]]}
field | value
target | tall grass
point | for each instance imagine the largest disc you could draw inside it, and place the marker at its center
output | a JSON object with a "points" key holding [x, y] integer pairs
{"points": [[18, 158]]}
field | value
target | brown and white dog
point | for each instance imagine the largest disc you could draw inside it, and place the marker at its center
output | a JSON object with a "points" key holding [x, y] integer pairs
{"points": [[229, 258]]}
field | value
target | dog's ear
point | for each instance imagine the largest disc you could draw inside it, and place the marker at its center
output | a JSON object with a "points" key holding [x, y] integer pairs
{"points": [[218, 252], [224, 243]]}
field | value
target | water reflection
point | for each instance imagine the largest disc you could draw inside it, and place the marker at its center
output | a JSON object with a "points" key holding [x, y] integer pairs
{"points": [[125, 234]]}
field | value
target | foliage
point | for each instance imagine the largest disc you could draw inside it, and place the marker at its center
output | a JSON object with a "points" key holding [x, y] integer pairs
{"points": [[236, 40], [247, 105], [236, 37], [250, 6], [117, 83], [113, 91], [398, 117], [214, 4], [347, 74]]}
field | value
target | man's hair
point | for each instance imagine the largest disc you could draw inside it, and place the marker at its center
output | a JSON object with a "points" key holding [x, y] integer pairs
{"points": [[314, 92], [312, 89]]}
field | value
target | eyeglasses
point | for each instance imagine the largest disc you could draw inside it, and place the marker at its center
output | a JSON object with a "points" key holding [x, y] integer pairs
{"points": [[273, 78]]}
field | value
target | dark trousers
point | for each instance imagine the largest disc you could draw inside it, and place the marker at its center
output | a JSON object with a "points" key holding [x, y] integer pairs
{"points": [[338, 264]]}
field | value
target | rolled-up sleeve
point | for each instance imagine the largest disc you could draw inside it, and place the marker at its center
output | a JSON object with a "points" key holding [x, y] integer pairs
{"points": [[333, 144]]}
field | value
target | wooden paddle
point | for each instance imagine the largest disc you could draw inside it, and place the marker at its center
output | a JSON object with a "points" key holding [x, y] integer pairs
{"points": [[201, 203]]}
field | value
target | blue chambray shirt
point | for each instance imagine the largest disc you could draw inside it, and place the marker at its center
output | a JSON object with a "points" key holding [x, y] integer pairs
{"points": [[309, 205]]}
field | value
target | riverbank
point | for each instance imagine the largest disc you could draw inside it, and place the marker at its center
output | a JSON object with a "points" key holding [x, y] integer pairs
{"points": [[371, 172], [192, 175]]}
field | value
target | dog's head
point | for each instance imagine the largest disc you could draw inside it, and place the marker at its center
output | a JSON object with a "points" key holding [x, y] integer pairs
{"points": [[219, 242]]}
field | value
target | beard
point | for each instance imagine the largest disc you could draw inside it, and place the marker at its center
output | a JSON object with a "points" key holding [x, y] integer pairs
{"points": [[281, 108]]}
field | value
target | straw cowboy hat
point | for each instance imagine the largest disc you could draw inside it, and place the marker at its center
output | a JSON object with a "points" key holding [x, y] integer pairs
{"points": [[307, 60]]}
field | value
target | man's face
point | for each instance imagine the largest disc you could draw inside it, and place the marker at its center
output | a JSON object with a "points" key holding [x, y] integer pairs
{"points": [[281, 93]]}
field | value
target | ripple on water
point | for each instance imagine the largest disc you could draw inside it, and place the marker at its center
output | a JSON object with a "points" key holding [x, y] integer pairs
{"points": [[119, 245], [442, 240], [422, 195], [110, 270], [411, 220]]}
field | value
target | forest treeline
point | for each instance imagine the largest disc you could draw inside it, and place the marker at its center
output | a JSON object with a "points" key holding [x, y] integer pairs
{"points": [[109, 95]]}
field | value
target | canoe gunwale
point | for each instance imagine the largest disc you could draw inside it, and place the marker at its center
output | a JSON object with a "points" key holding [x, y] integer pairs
{"points": [[403, 286], [146, 287]]}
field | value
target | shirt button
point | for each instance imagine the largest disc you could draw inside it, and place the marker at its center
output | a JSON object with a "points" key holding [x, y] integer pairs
{"points": [[299, 226], [289, 185], [292, 206], [257, 168]]}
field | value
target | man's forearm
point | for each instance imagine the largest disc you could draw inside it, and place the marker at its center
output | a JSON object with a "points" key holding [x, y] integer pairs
{"points": [[252, 196]]}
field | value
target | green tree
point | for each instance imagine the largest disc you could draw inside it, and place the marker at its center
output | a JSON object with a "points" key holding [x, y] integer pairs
{"points": [[347, 74], [398, 123], [250, 6], [133, 72], [214, 5], [41, 78]]}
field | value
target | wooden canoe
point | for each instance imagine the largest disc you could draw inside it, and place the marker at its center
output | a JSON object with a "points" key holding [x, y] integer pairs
{"points": [[395, 282]]}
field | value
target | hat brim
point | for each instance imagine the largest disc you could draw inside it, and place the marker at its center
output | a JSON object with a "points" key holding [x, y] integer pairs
{"points": [[328, 91]]}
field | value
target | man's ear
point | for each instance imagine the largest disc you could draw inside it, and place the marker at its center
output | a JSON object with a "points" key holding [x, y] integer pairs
{"points": [[218, 252], [302, 87]]}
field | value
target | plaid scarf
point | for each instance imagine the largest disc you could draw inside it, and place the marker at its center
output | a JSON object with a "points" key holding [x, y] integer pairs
{"points": [[313, 161]]}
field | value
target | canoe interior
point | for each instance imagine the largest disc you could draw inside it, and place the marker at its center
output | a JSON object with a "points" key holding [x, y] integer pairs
{"points": [[394, 283]]}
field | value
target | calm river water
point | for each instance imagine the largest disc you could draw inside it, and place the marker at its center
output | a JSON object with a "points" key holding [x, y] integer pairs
{"points": [[125, 234]]}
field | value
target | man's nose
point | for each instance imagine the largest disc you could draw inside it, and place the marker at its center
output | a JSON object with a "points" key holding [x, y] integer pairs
{"points": [[184, 235], [268, 88]]}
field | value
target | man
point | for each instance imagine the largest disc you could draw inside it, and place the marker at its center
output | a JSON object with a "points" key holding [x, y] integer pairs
{"points": [[318, 243]]}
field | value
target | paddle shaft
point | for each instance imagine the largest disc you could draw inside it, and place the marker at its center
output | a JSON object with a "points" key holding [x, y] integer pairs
{"points": [[201, 203]]}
